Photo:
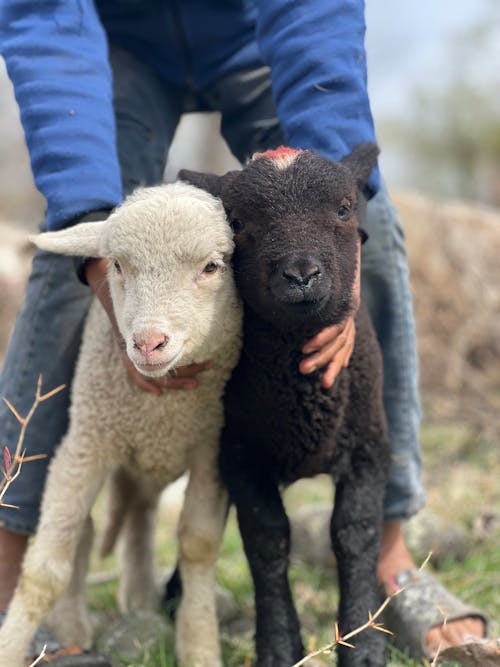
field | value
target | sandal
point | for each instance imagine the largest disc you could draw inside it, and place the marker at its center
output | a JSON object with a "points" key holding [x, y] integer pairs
{"points": [[58, 655], [424, 604]]}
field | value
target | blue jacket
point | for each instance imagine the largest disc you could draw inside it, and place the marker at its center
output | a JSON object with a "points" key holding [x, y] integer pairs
{"points": [[56, 57]]}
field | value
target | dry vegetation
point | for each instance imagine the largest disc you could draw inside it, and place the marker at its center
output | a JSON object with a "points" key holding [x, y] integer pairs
{"points": [[453, 251]]}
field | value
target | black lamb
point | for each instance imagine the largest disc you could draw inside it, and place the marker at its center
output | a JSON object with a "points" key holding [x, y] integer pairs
{"points": [[295, 217]]}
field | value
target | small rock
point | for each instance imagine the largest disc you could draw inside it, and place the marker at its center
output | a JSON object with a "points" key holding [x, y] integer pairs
{"points": [[243, 628], [310, 536], [483, 653], [308, 621], [426, 532], [129, 638], [485, 525], [227, 608]]}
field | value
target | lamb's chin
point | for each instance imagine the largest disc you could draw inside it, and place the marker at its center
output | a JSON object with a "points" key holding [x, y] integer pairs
{"points": [[159, 369], [297, 318], [303, 309]]}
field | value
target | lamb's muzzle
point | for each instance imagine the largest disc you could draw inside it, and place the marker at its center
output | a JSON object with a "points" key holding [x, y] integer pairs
{"points": [[298, 278]]}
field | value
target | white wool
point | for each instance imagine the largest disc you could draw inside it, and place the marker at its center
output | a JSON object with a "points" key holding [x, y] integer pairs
{"points": [[162, 238]]}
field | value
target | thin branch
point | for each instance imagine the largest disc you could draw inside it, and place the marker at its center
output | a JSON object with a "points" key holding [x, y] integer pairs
{"points": [[13, 464], [40, 657], [342, 640], [440, 645]]}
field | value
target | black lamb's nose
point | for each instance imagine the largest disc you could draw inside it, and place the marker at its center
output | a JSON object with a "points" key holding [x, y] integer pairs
{"points": [[301, 275]]}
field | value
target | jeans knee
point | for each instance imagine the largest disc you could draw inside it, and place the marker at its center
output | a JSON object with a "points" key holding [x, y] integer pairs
{"points": [[385, 231]]}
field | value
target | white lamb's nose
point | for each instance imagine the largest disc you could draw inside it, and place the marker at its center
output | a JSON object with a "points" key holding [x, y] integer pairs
{"points": [[149, 342]]}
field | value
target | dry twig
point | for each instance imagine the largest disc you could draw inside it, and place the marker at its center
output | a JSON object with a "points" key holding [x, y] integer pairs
{"points": [[11, 469], [40, 657], [342, 640]]}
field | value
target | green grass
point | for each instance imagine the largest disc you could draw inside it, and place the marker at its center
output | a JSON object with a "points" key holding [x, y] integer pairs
{"points": [[462, 472]]}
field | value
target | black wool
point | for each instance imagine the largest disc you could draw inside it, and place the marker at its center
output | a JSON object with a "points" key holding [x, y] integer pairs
{"points": [[296, 232]]}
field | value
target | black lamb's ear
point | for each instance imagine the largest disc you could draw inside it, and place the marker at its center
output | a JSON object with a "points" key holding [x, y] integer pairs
{"points": [[361, 162], [208, 182], [211, 183], [363, 235]]}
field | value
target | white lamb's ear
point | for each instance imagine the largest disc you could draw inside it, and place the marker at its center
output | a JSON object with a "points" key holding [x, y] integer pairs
{"points": [[82, 239]]}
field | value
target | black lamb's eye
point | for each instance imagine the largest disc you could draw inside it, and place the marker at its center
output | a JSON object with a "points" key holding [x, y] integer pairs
{"points": [[211, 267], [343, 212], [117, 266], [236, 224]]}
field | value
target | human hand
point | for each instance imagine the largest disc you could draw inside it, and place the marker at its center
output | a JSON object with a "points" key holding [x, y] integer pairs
{"points": [[183, 377], [332, 347]]}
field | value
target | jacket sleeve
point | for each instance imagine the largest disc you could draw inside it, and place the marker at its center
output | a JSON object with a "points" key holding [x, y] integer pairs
{"points": [[315, 49], [56, 57]]}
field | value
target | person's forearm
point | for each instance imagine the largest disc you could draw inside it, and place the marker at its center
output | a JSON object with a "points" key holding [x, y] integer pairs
{"points": [[56, 57]]}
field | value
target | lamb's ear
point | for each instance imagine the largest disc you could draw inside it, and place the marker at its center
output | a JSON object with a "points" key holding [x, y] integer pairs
{"points": [[211, 183], [208, 182], [82, 239], [361, 162]]}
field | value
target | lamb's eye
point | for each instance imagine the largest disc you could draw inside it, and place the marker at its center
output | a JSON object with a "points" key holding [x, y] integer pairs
{"points": [[117, 266], [236, 224], [343, 211], [211, 267]]}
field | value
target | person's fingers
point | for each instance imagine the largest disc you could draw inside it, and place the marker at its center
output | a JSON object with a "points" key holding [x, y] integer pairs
{"points": [[323, 357], [351, 335], [183, 378], [330, 374], [192, 370], [338, 350], [173, 382], [146, 384], [325, 336]]}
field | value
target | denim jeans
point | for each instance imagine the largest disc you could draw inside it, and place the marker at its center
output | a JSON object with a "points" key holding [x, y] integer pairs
{"points": [[385, 289], [47, 334]]}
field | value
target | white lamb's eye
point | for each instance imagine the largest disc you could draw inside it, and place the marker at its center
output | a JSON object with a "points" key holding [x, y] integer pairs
{"points": [[211, 267], [117, 266]]}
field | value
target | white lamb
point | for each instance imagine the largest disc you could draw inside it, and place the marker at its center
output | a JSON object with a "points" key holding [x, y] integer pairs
{"points": [[175, 303]]}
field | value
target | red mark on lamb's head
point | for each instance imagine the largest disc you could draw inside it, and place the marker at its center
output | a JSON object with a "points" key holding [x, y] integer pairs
{"points": [[283, 155]]}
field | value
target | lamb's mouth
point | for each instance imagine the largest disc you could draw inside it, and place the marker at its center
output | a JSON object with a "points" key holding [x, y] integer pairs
{"points": [[159, 369], [305, 304]]}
